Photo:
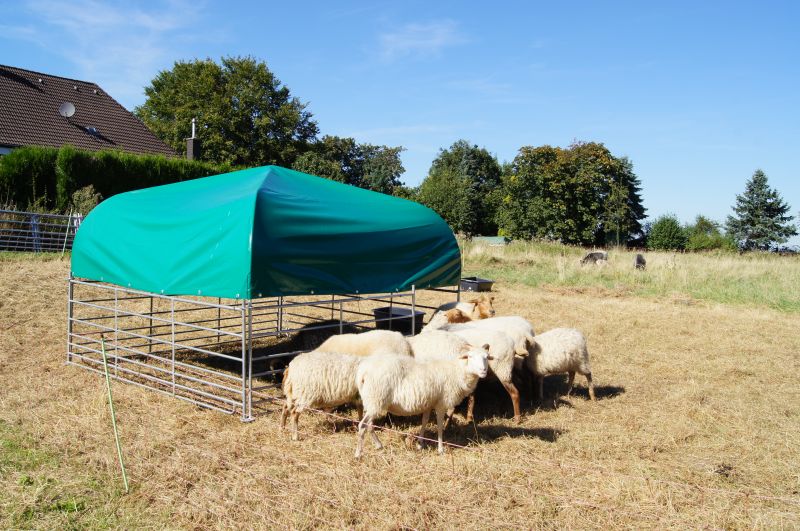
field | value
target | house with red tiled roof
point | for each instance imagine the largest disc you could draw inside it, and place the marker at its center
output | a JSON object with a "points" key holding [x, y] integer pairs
{"points": [[39, 109]]}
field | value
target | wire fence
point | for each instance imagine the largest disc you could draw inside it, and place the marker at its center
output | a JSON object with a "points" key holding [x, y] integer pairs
{"points": [[37, 233]]}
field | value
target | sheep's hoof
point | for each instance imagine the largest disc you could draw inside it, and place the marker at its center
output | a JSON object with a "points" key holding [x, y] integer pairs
{"points": [[469, 418], [518, 420], [377, 445], [441, 451], [419, 445], [295, 437], [358, 454]]}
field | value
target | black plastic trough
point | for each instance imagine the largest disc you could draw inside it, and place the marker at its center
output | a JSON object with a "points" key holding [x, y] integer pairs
{"points": [[476, 284], [400, 319]]}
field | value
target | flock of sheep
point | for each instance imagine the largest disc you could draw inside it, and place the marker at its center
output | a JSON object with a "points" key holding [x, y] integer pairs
{"points": [[384, 372]]}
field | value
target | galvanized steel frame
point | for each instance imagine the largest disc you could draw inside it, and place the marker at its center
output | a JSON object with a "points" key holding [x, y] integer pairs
{"points": [[34, 232], [176, 345]]}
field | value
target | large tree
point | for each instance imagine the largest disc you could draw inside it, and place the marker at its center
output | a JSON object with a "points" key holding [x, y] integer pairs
{"points": [[580, 195], [461, 186], [368, 166], [760, 221], [245, 115]]}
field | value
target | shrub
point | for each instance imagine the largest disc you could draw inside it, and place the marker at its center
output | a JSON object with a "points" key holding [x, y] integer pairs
{"points": [[50, 177], [85, 199], [666, 233]]}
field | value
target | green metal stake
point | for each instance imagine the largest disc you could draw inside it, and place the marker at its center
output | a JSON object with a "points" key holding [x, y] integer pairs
{"points": [[113, 414]]}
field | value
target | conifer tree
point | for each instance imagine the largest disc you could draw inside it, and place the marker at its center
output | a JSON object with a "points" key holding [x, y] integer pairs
{"points": [[760, 221]]}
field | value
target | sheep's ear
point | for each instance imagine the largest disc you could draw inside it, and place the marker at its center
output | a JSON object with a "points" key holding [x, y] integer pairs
{"points": [[485, 347], [474, 301], [464, 357]]}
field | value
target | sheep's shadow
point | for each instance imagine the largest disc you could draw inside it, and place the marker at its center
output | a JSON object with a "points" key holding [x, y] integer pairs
{"points": [[555, 387]]}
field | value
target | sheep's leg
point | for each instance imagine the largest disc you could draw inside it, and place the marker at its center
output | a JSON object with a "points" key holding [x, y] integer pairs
{"points": [[440, 429], [449, 417], [295, 416], [426, 417], [470, 407], [591, 385], [570, 382], [376, 443], [360, 439], [284, 413], [540, 378], [514, 394]]}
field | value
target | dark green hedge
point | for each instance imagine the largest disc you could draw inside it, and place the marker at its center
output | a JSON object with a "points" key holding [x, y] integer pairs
{"points": [[51, 175]]}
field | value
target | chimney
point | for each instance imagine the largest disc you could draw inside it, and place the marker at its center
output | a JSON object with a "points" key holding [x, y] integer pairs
{"points": [[193, 144]]}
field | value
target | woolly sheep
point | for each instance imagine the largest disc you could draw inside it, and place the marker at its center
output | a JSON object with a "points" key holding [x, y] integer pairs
{"points": [[367, 343], [479, 308], [319, 380], [558, 351], [406, 387], [520, 330], [504, 354]]}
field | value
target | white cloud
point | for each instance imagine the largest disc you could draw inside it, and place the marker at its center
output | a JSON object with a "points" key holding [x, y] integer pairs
{"points": [[114, 44], [422, 40]]}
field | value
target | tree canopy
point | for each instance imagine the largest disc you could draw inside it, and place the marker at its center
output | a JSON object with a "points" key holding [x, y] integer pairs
{"points": [[376, 168], [245, 115], [578, 195], [460, 187], [761, 217]]}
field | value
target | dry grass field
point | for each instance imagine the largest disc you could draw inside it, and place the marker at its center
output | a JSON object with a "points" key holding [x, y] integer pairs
{"points": [[697, 423]]}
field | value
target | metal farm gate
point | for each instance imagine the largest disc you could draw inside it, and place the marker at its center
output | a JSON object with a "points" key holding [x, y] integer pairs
{"points": [[33, 232], [223, 354]]}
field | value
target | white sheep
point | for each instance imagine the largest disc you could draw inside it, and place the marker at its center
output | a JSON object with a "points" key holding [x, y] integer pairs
{"points": [[367, 343], [558, 351], [520, 330], [476, 308], [320, 380], [504, 354], [405, 386]]}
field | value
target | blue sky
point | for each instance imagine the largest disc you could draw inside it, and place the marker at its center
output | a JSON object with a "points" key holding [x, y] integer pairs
{"points": [[697, 94]]}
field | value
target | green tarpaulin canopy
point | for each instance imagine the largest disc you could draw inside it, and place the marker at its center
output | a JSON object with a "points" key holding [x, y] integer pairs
{"points": [[264, 232]]}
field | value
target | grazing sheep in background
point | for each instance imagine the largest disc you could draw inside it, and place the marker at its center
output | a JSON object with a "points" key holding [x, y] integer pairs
{"points": [[406, 387], [504, 354], [319, 380], [639, 262], [558, 351], [367, 343], [595, 257], [480, 308]]}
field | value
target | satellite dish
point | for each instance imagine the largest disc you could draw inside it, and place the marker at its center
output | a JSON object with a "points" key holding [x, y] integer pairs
{"points": [[66, 110]]}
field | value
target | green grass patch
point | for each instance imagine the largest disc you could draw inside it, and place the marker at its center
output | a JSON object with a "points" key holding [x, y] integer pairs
{"points": [[42, 491], [752, 279]]}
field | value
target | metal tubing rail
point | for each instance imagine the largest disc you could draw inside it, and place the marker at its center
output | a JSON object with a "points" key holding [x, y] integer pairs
{"points": [[183, 346], [162, 370], [152, 378], [21, 213], [162, 391], [145, 316], [98, 284], [187, 366], [326, 303]]}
